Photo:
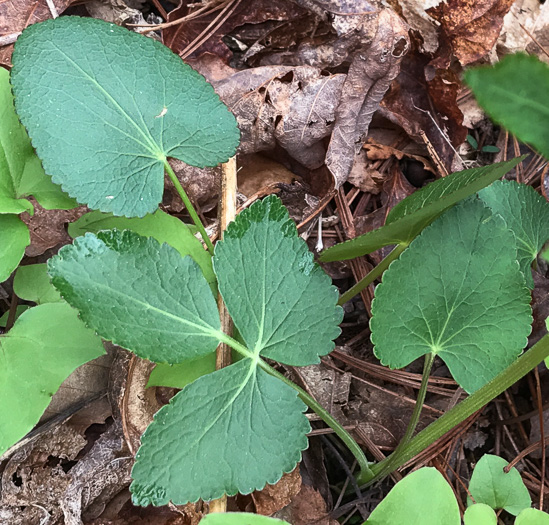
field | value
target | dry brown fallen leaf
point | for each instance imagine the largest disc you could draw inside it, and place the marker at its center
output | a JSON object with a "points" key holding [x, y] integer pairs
{"points": [[468, 29], [47, 227], [373, 68], [15, 15], [275, 497], [306, 508], [286, 105]]}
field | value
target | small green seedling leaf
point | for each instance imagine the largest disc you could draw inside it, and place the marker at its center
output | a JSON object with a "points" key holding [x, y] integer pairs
{"points": [[472, 141], [526, 213], [139, 294], [518, 105], [158, 225], [231, 431], [490, 149], [480, 514], [53, 336], [460, 295], [412, 214], [491, 485], [32, 283], [14, 238], [421, 498], [108, 107], [182, 374], [21, 173], [532, 517], [239, 518], [282, 303]]}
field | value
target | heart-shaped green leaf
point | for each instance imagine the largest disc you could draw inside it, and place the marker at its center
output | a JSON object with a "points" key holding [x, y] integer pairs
{"points": [[421, 498], [158, 225], [282, 303], [514, 93], [14, 238], [239, 518], [480, 514], [532, 517], [415, 212], [498, 489], [21, 173], [105, 107], [231, 431], [139, 294], [32, 283], [456, 292], [46, 344], [526, 213]]}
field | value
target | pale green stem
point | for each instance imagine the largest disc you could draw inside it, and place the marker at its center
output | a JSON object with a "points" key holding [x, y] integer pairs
{"points": [[338, 429], [427, 366], [189, 205], [311, 402], [524, 364], [372, 275]]}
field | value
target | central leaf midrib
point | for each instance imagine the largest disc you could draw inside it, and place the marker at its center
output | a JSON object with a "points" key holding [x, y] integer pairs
{"points": [[206, 328], [228, 404], [154, 148]]}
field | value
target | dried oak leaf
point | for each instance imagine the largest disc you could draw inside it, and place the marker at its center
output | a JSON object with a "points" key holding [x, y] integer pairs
{"points": [[468, 29], [292, 106], [15, 15], [426, 106], [181, 37]]}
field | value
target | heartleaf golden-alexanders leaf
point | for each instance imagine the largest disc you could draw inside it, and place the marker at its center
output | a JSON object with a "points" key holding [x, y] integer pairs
{"points": [[105, 107], [456, 292]]}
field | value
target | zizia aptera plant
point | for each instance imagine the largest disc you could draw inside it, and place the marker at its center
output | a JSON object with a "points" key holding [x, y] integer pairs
{"points": [[105, 108]]}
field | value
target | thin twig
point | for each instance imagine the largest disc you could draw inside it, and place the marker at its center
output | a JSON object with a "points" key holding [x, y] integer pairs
{"points": [[211, 28], [6, 40], [52, 8]]}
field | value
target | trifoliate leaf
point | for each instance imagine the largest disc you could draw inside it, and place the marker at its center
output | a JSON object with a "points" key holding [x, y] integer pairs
{"points": [[14, 238], [282, 303], [412, 214], [500, 490], [532, 517], [526, 213], [239, 518], [182, 374], [32, 283], [105, 107], [139, 294], [160, 226], [514, 93], [231, 431], [456, 292], [480, 514], [421, 498], [46, 344], [21, 173]]}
